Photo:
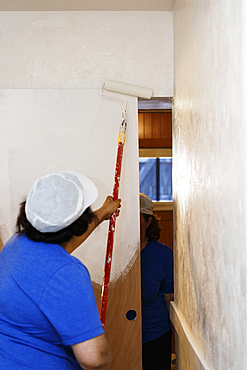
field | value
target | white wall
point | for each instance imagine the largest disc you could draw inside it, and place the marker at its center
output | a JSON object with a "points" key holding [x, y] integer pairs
{"points": [[209, 188], [49, 130], [53, 116], [83, 49]]}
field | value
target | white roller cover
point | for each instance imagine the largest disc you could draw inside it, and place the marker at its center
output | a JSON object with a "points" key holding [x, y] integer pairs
{"points": [[128, 89]]}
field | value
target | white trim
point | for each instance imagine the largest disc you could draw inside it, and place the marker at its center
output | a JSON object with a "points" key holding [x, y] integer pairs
{"points": [[187, 340], [163, 206]]}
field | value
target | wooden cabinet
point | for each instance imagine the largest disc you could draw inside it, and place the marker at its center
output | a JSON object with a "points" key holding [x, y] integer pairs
{"points": [[155, 129]]}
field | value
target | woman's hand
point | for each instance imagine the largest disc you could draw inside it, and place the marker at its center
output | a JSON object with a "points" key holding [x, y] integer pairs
{"points": [[103, 213], [108, 208]]}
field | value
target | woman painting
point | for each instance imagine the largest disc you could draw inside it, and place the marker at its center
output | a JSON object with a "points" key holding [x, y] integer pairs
{"points": [[48, 314]]}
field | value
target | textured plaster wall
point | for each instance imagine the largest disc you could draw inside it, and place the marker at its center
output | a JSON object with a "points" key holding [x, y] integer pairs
{"points": [[82, 49], [49, 130], [53, 116], [209, 165]]}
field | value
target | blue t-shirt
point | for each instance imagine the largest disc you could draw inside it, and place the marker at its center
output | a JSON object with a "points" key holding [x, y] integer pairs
{"points": [[156, 279], [47, 304]]}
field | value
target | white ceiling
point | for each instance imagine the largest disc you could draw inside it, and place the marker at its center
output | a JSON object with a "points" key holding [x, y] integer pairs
{"points": [[87, 5]]}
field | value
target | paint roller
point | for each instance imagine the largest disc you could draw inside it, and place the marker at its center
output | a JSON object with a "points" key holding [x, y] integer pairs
{"points": [[137, 91], [128, 89]]}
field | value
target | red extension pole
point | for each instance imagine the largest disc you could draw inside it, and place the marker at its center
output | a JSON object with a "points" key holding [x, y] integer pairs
{"points": [[111, 231]]}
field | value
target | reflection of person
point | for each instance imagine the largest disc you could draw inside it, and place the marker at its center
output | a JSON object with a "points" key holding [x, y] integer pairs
{"points": [[157, 291], [48, 314]]}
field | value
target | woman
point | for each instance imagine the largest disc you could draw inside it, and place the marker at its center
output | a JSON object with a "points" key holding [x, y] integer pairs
{"points": [[157, 291], [48, 314]]}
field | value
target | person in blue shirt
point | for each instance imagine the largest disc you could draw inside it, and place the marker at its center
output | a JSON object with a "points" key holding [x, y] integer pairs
{"points": [[48, 314], [157, 290]]}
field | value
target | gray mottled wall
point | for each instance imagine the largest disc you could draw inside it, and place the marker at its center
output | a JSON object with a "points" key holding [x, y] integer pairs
{"points": [[209, 188]]}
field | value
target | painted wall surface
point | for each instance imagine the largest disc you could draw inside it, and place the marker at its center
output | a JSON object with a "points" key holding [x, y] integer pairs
{"points": [[209, 189], [70, 51], [49, 130], [83, 49], [53, 118]]}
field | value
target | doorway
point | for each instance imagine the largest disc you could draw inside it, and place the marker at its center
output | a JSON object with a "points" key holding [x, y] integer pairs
{"points": [[155, 143]]}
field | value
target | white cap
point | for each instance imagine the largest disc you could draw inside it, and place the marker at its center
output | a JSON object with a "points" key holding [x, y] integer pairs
{"points": [[57, 200], [146, 204]]}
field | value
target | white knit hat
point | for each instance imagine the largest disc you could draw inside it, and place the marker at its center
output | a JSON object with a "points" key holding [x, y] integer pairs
{"points": [[146, 204], [57, 200]]}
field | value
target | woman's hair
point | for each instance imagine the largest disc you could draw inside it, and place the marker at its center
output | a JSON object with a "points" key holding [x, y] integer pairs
{"points": [[154, 229], [77, 228]]}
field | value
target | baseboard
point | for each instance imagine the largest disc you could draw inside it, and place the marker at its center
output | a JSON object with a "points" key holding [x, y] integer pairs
{"points": [[187, 340]]}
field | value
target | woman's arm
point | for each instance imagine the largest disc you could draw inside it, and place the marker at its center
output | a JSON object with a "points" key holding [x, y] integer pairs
{"points": [[94, 353], [108, 208], [168, 298], [103, 213]]}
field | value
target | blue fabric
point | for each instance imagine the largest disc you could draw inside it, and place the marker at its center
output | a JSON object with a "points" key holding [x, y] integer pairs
{"points": [[47, 303], [156, 279]]}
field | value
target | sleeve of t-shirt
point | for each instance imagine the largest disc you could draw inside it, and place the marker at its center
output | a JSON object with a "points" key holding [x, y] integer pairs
{"points": [[167, 285], [69, 304]]}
